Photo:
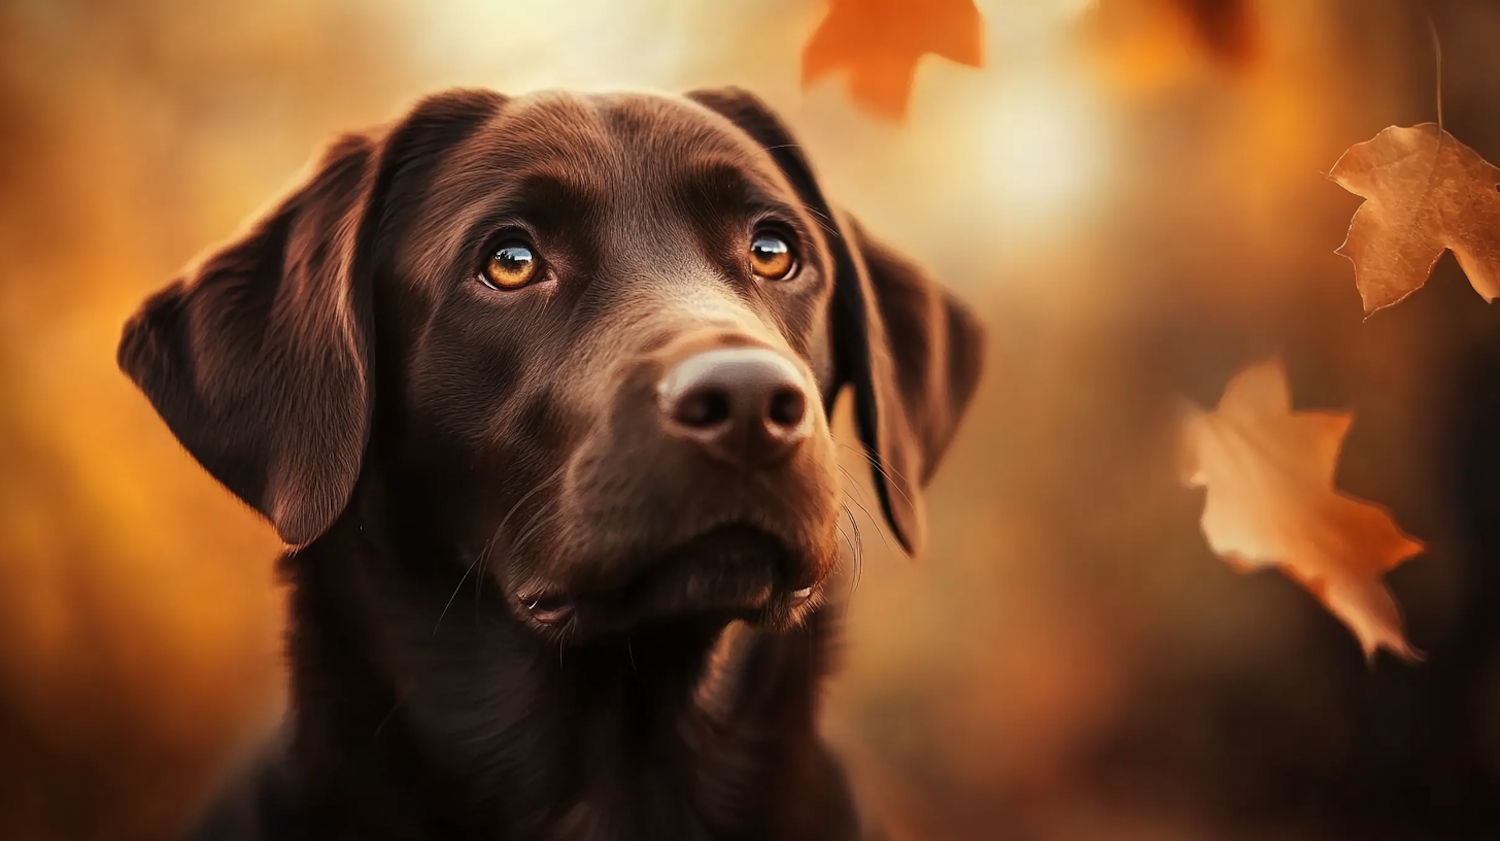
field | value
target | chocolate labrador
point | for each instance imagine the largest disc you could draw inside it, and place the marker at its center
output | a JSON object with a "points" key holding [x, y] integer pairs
{"points": [[537, 390]]}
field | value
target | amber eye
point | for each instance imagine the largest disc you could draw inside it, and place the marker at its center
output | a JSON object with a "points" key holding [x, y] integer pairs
{"points": [[771, 256], [512, 266]]}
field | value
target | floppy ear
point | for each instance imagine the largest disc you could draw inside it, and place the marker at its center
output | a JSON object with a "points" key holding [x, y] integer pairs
{"points": [[913, 353], [260, 359], [909, 348]]}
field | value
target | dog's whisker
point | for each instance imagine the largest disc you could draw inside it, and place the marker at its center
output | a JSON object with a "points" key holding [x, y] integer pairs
{"points": [[859, 538], [387, 717], [857, 499], [484, 563], [845, 536], [884, 472], [824, 221], [480, 556], [533, 526], [864, 453], [555, 475], [854, 549], [456, 588], [853, 552], [859, 559]]}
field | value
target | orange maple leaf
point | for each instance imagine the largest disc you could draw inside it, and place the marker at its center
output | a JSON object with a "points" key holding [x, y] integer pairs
{"points": [[1271, 502], [1425, 192], [881, 41]]}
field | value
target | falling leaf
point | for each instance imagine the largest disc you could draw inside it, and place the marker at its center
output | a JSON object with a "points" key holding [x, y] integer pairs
{"points": [[880, 42], [1271, 502], [1425, 192]]}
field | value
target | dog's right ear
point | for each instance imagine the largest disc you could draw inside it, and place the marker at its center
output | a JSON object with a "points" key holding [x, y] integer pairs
{"points": [[260, 359]]}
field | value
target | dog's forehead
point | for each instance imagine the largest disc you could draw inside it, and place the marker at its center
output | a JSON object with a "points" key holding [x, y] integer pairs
{"points": [[630, 129], [612, 144]]}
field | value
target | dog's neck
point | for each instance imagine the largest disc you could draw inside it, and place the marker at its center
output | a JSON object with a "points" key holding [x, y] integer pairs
{"points": [[472, 726]]}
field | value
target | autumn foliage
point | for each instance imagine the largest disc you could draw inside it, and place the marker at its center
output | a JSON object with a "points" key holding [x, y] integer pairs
{"points": [[880, 42], [1071, 661], [1425, 192], [1269, 474], [1270, 471]]}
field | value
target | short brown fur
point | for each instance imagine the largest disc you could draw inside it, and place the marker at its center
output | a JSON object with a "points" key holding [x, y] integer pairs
{"points": [[439, 453]]}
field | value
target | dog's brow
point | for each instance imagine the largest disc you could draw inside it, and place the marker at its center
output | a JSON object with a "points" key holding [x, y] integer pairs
{"points": [[549, 193], [720, 186], [545, 197]]}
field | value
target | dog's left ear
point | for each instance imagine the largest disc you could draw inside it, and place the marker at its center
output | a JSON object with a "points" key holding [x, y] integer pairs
{"points": [[258, 358], [909, 348], [261, 358]]}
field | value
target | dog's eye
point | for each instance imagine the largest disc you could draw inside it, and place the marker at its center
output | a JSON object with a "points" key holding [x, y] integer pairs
{"points": [[771, 257], [512, 265]]}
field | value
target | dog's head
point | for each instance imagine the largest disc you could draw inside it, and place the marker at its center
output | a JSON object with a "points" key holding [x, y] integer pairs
{"points": [[591, 342]]}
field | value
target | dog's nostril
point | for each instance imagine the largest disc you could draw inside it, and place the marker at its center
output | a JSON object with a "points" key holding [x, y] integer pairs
{"points": [[745, 406], [702, 409], [787, 407]]}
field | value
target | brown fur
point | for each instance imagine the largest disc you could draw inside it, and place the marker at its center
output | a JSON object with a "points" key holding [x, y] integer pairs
{"points": [[436, 450]]}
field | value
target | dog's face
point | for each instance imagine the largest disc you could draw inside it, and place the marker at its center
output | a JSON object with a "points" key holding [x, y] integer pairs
{"points": [[619, 305], [591, 342]]}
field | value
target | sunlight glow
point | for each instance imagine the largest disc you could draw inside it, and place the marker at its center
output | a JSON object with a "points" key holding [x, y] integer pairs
{"points": [[1045, 147]]}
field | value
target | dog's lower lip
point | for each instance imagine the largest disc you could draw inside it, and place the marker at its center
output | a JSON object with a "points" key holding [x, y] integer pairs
{"points": [[548, 610]]}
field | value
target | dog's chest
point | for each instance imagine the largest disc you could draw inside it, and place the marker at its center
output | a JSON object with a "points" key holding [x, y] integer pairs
{"points": [[695, 792]]}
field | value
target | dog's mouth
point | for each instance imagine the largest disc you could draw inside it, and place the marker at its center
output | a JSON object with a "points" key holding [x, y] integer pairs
{"points": [[735, 571]]}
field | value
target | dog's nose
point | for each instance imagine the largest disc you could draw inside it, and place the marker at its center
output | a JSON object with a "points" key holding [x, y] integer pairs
{"points": [[745, 406]]}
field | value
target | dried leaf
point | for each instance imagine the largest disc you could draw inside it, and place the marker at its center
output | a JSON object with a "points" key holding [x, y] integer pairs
{"points": [[1271, 502], [880, 42], [1425, 192]]}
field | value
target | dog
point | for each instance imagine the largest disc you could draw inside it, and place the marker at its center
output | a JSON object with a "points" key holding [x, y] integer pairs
{"points": [[536, 391]]}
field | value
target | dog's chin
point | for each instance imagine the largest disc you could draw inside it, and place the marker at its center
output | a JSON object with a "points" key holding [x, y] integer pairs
{"points": [[735, 571]]}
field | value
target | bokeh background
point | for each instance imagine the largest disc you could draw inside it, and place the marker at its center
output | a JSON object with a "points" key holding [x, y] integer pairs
{"points": [[1130, 191]]}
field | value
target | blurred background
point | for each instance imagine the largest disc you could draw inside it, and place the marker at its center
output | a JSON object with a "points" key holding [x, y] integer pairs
{"points": [[1130, 191]]}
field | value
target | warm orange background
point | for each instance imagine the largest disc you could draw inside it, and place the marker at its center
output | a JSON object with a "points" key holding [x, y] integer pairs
{"points": [[1135, 213]]}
